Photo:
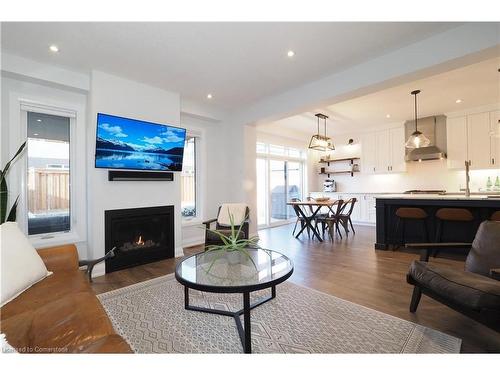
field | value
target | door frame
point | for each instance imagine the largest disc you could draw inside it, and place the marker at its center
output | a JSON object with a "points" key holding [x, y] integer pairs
{"points": [[286, 159]]}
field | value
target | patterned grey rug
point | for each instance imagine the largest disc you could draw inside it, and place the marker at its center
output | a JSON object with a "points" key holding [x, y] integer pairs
{"points": [[152, 318]]}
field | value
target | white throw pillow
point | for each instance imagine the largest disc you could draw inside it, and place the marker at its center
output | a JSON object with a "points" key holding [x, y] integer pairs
{"points": [[20, 266]]}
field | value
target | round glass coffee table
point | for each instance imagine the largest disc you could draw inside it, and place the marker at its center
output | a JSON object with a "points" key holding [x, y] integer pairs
{"points": [[219, 272]]}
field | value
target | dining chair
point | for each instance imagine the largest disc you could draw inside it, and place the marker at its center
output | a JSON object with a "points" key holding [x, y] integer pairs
{"points": [[345, 218], [332, 219], [300, 218]]}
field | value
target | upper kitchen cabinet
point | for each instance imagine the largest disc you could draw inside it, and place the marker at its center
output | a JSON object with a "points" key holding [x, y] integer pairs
{"points": [[383, 151], [478, 140], [456, 139], [397, 159], [470, 138], [368, 153], [495, 138]]}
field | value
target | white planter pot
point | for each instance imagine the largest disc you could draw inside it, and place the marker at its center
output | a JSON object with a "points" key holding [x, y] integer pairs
{"points": [[233, 257]]}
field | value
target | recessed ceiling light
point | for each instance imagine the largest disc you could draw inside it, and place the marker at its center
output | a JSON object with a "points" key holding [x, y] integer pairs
{"points": [[458, 101], [35, 134], [209, 96], [38, 120], [290, 53], [388, 115], [54, 48]]}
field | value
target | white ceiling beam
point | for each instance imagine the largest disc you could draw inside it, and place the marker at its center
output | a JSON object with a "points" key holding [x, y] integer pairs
{"points": [[451, 49], [51, 74]]}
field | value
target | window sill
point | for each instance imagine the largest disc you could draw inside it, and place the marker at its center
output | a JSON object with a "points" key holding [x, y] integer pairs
{"points": [[58, 239], [191, 222]]}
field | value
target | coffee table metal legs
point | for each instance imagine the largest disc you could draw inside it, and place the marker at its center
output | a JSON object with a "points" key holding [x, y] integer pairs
{"points": [[244, 330]]}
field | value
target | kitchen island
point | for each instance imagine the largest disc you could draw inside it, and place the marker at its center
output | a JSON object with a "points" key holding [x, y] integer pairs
{"points": [[481, 207]]}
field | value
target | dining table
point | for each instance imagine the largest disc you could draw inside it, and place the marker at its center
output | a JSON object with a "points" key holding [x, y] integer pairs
{"points": [[314, 206]]}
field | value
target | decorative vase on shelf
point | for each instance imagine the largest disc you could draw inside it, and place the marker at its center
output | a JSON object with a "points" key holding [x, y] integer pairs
{"points": [[497, 184]]}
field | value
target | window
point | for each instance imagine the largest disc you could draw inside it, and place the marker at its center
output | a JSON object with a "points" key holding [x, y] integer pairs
{"points": [[188, 179], [48, 179], [280, 178]]}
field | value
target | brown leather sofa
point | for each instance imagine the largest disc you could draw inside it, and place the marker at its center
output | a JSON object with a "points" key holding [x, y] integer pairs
{"points": [[61, 313]]}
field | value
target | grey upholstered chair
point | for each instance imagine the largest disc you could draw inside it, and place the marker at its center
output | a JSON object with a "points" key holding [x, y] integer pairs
{"points": [[475, 291]]}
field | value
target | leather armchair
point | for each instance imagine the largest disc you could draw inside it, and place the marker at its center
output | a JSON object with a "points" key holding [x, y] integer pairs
{"points": [[213, 239], [474, 291]]}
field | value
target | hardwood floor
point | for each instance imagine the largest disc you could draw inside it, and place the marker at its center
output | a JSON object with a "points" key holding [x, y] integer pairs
{"points": [[350, 269]]}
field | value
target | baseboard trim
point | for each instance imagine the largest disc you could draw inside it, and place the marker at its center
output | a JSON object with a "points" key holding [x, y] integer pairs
{"points": [[179, 252], [99, 270], [364, 223], [193, 242]]}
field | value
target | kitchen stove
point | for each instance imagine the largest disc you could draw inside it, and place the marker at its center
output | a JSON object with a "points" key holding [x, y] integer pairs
{"points": [[439, 192]]}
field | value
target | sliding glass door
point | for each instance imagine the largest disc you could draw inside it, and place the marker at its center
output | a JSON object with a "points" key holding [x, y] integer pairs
{"points": [[278, 181]]}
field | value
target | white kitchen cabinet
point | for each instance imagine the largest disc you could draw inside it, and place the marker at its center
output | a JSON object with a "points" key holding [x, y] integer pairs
{"points": [[368, 153], [390, 150], [397, 149], [456, 139], [470, 138], [371, 214], [495, 138], [478, 140], [383, 151]]}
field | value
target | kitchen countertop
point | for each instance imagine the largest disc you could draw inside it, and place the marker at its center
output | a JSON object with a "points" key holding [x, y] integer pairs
{"points": [[399, 195], [438, 197]]}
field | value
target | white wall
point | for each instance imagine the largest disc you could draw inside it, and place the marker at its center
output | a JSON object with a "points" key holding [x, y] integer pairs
{"points": [[212, 173], [122, 97]]}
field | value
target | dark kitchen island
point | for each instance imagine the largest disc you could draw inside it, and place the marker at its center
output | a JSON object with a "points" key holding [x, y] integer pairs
{"points": [[386, 205]]}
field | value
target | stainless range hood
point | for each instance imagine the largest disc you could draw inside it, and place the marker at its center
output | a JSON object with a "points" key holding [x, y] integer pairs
{"points": [[434, 128]]}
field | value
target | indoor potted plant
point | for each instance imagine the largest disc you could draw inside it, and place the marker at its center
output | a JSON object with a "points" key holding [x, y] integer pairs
{"points": [[4, 191], [233, 248]]}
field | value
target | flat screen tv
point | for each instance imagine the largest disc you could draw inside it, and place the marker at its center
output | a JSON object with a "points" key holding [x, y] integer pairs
{"points": [[123, 143]]}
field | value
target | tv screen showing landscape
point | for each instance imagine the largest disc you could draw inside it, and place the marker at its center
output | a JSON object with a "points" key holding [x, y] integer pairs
{"points": [[124, 143]]}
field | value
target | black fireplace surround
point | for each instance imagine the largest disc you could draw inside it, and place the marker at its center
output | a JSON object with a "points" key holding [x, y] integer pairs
{"points": [[140, 235]]}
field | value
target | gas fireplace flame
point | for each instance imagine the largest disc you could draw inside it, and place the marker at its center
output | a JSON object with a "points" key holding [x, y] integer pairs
{"points": [[140, 241]]}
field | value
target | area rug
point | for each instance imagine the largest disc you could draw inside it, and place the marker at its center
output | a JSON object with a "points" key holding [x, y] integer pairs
{"points": [[151, 317]]}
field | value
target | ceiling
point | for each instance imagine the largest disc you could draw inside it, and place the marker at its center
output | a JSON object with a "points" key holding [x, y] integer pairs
{"points": [[239, 63], [475, 85]]}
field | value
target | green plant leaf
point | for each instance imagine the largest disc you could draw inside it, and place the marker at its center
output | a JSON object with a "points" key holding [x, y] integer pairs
{"points": [[7, 166], [3, 200], [4, 191], [13, 211]]}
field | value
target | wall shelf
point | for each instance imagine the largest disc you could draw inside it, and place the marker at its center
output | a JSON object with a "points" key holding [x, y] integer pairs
{"points": [[350, 171], [336, 160]]}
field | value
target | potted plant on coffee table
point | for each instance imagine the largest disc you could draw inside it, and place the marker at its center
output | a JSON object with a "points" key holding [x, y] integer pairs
{"points": [[234, 248]]}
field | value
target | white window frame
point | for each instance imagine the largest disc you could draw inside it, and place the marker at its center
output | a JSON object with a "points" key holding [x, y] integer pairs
{"points": [[78, 229], [267, 156], [200, 177]]}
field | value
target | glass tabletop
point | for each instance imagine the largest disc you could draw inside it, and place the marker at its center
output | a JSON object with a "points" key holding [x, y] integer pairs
{"points": [[231, 271]]}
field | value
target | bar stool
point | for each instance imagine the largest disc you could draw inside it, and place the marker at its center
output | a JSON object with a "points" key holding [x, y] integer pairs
{"points": [[444, 215], [411, 213], [495, 216], [451, 214]]}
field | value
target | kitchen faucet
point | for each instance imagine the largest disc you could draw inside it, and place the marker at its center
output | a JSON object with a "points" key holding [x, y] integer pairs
{"points": [[467, 178]]}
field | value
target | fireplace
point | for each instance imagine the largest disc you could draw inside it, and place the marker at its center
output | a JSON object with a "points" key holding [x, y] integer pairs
{"points": [[140, 235]]}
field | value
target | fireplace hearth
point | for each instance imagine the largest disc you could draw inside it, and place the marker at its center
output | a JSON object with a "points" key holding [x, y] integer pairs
{"points": [[140, 235]]}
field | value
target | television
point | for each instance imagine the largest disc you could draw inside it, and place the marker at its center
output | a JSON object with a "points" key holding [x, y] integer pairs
{"points": [[124, 143]]}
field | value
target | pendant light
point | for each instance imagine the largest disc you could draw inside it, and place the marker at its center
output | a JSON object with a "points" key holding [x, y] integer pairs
{"points": [[321, 142], [417, 139]]}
